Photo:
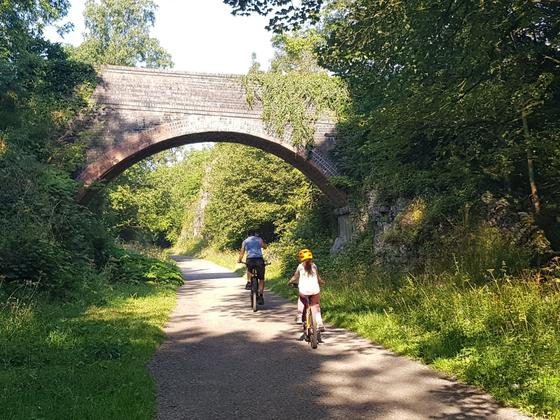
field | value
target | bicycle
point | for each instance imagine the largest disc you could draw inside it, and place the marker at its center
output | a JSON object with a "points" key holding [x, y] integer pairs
{"points": [[311, 332], [255, 287]]}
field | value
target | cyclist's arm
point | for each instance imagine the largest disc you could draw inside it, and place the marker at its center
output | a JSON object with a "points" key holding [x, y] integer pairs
{"points": [[241, 252], [264, 245], [294, 278]]}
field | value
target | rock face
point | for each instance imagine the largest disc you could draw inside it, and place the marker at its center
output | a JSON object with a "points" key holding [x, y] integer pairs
{"points": [[381, 219], [518, 227], [398, 231]]}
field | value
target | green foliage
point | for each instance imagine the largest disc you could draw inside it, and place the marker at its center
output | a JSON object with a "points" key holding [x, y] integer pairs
{"points": [[118, 33], [287, 15], [84, 356], [344, 183], [440, 91], [46, 238], [43, 230], [501, 337], [21, 42], [147, 202], [476, 250], [129, 267], [296, 92], [252, 190]]}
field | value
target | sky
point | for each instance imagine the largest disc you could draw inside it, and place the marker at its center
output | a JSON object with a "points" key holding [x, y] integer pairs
{"points": [[201, 35]]}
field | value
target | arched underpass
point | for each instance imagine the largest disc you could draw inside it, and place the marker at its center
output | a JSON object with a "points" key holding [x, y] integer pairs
{"points": [[141, 112]]}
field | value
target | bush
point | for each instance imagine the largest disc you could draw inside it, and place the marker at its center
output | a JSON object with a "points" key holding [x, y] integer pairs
{"points": [[129, 267], [46, 238]]}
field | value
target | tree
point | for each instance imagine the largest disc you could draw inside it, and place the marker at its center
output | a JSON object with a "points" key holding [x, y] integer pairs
{"points": [[449, 98], [286, 15], [118, 33], [250, 189], [147, 202], [461, 87], [22, 47], [46, 238]]}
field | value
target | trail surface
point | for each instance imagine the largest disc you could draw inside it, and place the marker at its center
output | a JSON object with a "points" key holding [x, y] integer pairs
{"points": [[222, 361]]}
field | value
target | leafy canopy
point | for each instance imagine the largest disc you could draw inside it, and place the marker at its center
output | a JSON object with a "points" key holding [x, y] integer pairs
{"points": [[147, 202], [440, 90], [46, 238], [296, 92], [286, 14], [118, 33]]}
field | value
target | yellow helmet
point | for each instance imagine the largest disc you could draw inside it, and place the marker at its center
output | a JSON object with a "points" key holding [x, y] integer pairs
{"points": [[304, 255]]}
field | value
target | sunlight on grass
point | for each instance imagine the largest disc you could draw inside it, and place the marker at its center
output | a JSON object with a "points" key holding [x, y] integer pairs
{"points": [[84, 358]]}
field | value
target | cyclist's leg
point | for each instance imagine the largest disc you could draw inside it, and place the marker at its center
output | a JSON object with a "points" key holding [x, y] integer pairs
{"points": [[250, 266], [261, 273], [303, 302], [300, 310], [259, 266], [316, 310]]}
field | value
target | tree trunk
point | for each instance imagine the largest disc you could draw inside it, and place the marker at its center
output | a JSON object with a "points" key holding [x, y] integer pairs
{"points": [[530, 166]]}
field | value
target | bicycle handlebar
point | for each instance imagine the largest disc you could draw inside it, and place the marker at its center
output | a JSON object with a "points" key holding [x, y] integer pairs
{"points": [[245, 262]]}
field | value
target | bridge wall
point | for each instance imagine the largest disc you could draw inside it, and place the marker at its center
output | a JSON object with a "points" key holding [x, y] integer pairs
{"points": [[144, 111], [148, 101]]}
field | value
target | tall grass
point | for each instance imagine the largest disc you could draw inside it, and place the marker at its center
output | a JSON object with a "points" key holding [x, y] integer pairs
{"points": [[83, 357], [503, 336]]}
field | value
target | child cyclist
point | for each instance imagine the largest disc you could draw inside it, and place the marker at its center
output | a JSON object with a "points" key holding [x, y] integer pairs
{"points": [[308, 280]]}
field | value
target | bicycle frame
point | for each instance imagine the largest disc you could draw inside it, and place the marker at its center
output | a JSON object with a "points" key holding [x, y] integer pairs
{"points": [[254, 288]]}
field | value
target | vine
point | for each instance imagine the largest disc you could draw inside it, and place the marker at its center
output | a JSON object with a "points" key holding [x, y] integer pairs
{"points": [[293, 102]]}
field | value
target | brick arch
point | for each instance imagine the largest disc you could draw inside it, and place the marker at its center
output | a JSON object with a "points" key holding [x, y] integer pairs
{"points": [[143, 111], [136, 147]]}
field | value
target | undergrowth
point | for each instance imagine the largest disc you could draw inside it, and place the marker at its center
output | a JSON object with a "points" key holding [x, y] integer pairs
{"points": [[84, 356]]}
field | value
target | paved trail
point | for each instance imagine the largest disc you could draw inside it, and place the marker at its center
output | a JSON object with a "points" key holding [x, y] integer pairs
{"points": [[220, 358]]}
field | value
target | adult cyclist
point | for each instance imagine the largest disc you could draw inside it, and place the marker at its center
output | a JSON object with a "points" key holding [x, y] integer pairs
{"points": [[253, 246]]}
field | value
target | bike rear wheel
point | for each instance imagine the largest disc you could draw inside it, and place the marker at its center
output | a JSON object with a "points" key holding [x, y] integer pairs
{"points": [[310, 329], [254, 301], [254, 291], [314, 333]]}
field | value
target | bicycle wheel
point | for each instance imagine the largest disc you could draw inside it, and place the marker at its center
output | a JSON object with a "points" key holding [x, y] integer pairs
{"points": [[254, 301], [307, 325], [314, 333], [254, 291]]}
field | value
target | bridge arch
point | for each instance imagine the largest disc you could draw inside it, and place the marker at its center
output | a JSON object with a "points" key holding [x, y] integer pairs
{"points": [[145, 111], [135, 147]]}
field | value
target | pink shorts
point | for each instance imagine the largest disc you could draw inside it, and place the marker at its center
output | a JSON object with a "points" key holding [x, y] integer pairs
{"points": [[314, 299]]}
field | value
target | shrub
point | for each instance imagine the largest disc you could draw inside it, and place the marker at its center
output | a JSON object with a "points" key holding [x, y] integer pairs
{"points": [[129, 267]]}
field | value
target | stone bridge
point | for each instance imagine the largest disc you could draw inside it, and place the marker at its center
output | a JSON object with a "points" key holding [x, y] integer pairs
{"points": [[145, 111]]}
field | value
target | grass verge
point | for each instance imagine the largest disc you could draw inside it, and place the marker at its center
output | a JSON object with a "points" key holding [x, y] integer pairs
{"points": [[84, 357], [503, 337]]}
